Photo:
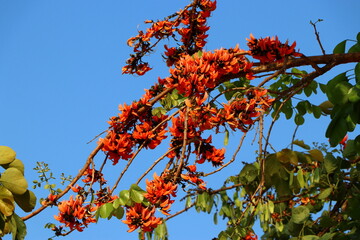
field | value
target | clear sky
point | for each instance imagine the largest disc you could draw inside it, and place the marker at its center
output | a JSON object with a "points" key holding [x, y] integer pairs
{"points": [[60, 76]]}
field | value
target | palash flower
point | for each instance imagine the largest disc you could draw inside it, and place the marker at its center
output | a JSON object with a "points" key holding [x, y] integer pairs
{"points": [[159, 193], [141, 216], [270, 49], [192, 177], [74, 215], [343, 142], [242, 112], [251, 236]]}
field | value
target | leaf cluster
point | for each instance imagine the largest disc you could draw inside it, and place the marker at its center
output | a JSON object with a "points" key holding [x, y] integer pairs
{"points": [[13, 190]]}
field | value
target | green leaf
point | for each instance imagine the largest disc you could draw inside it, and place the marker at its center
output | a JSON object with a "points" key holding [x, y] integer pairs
{"points": [[279, 226], [355, 113], [316, 154], [6, 202], [188, 202], [226, 137], [340, 48], [332, 91], [326, 107], [136, 196], [26, 201], [355, 48], [351, 149], [307, 91], [136, 188], [331, 163], [20, 228], [336, 130], [14, 180], [118, 212], [215, 218], [354, 93], [339, 93], [161, 231], [124, 197], [322, 87], [287, 109], [357, 72], [316, 175], [301, 143], [350, 124], [106, 210], [300, 214], [210, 203], [226, 210], [316, 111], [271, 206], [297, 71], [7, 155], [300, 178], [327, 236], [325, 193], [15, 164], [248, 174], [301, 108], [299, 120], [310, 237], [116, 203], [287, 156]]}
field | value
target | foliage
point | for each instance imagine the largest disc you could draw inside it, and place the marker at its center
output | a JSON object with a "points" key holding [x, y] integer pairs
{"points": [[13, 189], [300, 192]]}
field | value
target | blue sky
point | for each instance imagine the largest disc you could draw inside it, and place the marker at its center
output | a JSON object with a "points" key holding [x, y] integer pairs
{"points": [[60, 75]]}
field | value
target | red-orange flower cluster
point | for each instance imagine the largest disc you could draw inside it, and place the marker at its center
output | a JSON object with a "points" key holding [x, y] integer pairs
{"points": [[159, 192], [251, 236], [193, 34], [242, 112], [343, 142], [134, 126], [192, 176], [271, 49], [189, 23], [195, 75], [93, 175], [74, 215], [198, 121], [141, 216]]}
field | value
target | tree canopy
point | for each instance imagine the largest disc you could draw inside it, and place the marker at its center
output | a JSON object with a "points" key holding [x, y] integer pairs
{"points": [[196, 120]]}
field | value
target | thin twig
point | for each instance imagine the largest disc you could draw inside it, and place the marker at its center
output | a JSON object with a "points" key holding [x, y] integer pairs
{"points": [[78, 176], [181, 211], [126, 168], [275, 74], [293, 137], [318, 34], [178, 171], [155, 163], [232, 159], [97, 136]]}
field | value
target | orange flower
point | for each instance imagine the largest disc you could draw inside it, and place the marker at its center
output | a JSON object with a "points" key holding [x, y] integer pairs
{"points": [[270, 49], [92, 175], [140, 216], [251, 236], [74, 215], [194, 179], [50, 200], [307, 200], [159, 193], [191, 168], [343, 142], [241, 113]]}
